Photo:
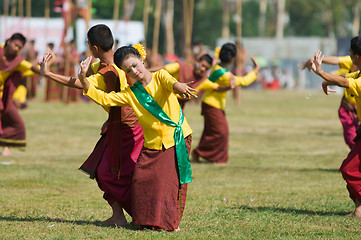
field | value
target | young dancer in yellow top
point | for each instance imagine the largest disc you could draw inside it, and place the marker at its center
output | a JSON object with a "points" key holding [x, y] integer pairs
{"points": [[158, 194]]}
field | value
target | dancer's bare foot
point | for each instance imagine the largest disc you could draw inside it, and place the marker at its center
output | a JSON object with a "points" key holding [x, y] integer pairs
{"points": [[118, 218], [177, 229], [195, 157], [357, 212], [115, 221], [7, 152]]}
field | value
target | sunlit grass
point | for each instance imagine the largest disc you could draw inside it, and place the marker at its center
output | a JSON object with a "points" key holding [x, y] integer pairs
{"points": [[281, 181]]}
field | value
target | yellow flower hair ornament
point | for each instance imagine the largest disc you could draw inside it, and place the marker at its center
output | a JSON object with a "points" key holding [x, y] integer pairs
{"points": [[216, 52], [141, 50]]}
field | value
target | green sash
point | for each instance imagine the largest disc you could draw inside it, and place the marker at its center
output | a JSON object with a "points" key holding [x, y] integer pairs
{"points": [[217, 74], [153, 107]]}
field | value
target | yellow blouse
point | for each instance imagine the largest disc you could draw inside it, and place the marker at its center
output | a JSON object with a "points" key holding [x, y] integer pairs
{"points": [[218, 99], [173, 69], [23, 67], [354, 82], [156, 133]]}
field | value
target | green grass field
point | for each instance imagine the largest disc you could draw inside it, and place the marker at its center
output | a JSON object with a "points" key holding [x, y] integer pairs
{"points": [[281, 181]]}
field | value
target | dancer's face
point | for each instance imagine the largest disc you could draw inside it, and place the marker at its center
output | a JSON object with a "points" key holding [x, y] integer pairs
{"points": [[134, 67], [14, 47], [201, 68]]}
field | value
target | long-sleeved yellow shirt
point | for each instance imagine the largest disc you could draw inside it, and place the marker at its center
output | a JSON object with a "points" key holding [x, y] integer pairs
{"points": [[23, 67], [156, 133], [346, 65], [218, 99], [354, 82]]}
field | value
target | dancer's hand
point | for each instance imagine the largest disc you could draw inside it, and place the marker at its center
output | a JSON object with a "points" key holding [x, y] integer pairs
{"points": [[45, 64], [84, 65], [256, 64], [184, 90], [326, 89], [317, 62], [306, 64]]}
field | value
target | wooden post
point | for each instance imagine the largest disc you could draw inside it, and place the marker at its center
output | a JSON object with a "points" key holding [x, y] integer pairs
{"points": [[262, 17], [169, 15], [90, 7], [225, 19], [188, 7], [156, 28], [145, 20], [21, 8], [13, 8], [281, 4], [239, 19], [6, 8], [116, 10], [356, 18], [47, 16], [28, 8]]}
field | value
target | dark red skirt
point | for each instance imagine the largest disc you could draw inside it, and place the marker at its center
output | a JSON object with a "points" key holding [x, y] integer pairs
{"points": [[13, 128], [351, 172], [158, 198], [213, 145], [116, 185]]}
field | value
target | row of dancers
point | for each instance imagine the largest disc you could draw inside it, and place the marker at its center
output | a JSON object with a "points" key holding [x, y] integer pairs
{"points": [[141, 162]]}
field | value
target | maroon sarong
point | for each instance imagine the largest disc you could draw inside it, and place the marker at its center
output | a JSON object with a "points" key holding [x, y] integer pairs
{"points": [[348, 117], [158, 199], [213, 145], [12, 131], [117, 185], [351, 172]]}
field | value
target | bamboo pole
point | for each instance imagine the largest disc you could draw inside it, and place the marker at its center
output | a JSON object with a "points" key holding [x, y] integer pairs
{"points": [[188, 7], [13, 8], [145, 20], [116, 10], [21, 8], [356, 18], [225, 20], [28, 8], [156, 28], [262, 17], [239, 19], [169, 15], [90, 7], [47, 16], [6, 8]]}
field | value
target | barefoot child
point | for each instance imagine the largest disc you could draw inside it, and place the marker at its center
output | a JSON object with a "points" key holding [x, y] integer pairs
{"points": [[213, 145], [350, 167], [112, 162], [163, 168]]}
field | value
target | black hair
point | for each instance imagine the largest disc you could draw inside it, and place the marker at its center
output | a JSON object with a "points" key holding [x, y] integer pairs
{"points": [[121, 54], [228, 51], [51, 45], [18, 36], [100, 35], [356, 45], [206, 57]]}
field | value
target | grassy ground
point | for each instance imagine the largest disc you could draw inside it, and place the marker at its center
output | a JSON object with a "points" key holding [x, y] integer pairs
{"points": [[281, 182]]}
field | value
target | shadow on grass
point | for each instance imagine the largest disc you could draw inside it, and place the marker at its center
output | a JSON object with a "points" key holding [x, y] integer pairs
{"points": [[333, 170], [292, 210], [52, 220]]}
